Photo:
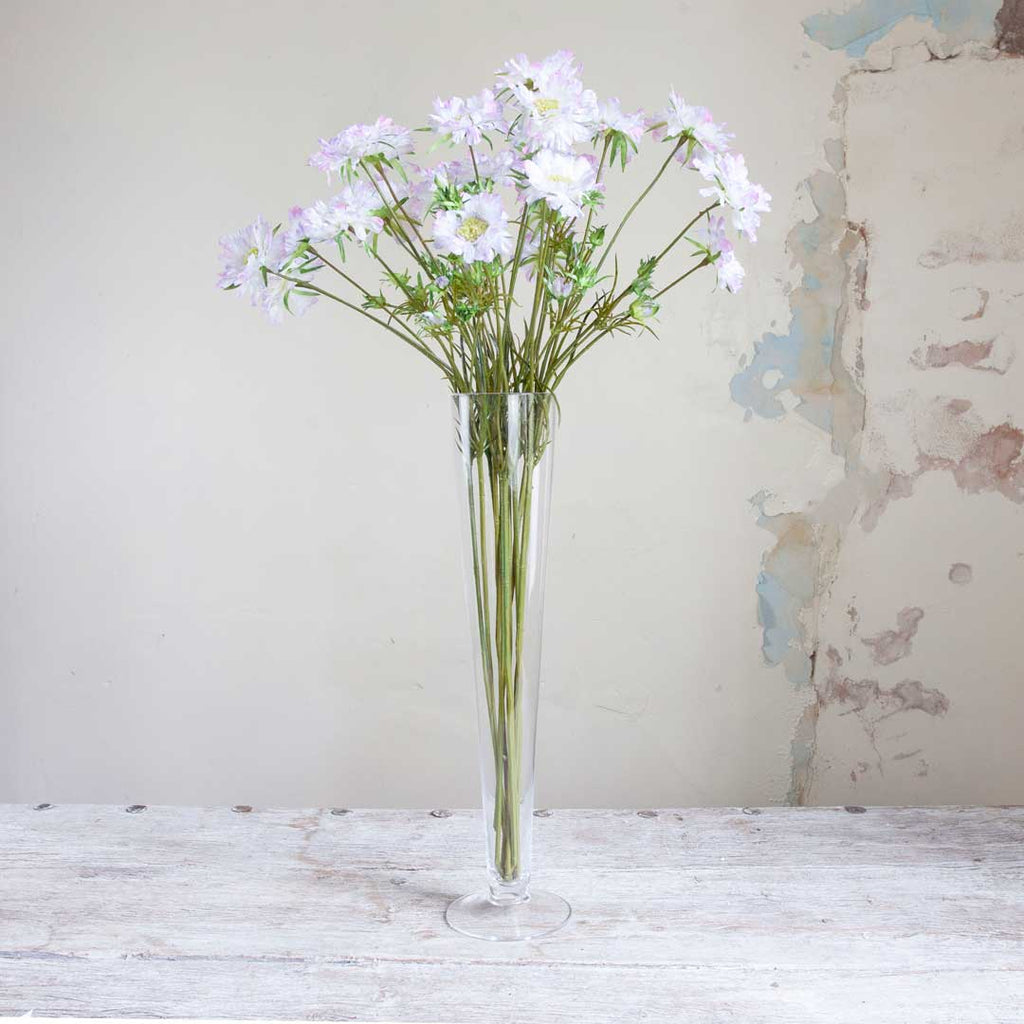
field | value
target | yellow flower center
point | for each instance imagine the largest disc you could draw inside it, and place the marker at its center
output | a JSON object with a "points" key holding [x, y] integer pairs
{"points": [[472, 228], [545, 106], [560, 178]]}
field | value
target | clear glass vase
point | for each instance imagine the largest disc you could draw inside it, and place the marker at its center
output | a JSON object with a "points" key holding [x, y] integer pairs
{"points": [[504, 452]]}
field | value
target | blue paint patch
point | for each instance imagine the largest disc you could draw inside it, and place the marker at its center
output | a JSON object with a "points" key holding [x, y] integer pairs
{"points": [[869, 20], [780, 352], [800, 361], [775, 612]]}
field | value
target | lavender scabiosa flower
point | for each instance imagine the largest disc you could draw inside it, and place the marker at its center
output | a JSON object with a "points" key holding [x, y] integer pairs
{"points": [[466, 120], [562, 180], [556, 110], [342, 152], [279, 296], [682, 119], [521, 71], [713, 237], [352, 211], [477, 231], [730, 185], [611, 117], [245, 252], [560, 286]]}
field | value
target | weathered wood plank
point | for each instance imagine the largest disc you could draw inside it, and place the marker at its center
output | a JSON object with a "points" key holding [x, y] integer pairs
{"points": [[782, 914]]}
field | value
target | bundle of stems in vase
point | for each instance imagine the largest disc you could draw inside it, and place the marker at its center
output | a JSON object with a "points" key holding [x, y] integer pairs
{"points": [[497, 266]]}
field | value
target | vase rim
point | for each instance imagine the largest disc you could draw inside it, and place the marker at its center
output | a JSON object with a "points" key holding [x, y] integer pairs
{"points": [[502, 394]]}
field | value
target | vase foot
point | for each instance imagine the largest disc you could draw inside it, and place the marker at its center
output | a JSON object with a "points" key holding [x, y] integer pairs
{"points": [[480, 917]]}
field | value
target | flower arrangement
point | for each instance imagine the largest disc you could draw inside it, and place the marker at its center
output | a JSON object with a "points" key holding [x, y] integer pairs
{"points": [[508, 274], [508, 277]]}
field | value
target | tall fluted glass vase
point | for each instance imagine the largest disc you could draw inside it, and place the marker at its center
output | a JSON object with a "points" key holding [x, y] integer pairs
{"points": [[504, 452]]}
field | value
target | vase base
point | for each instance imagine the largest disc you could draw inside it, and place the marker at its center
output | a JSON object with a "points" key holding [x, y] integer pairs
{"points": [[480, 917]]}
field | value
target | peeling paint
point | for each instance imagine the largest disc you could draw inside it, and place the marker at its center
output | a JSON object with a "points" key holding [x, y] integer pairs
{"points": [[894, 644], [969, 302], [815, 368], [979, 459], [972, 354], [799, 363], [1010, 28], [960, 573], [785, 587], [866, 22], [999, 243]]}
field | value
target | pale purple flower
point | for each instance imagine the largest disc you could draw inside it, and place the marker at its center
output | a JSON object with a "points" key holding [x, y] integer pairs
{"points": [[344, 151], [352, 211], [414, 193], [499, 165], [477, 231], [560, 287], [610, 117], [730, 186], [466, 120], [296, 229], [730, 271], [557, 111], [520, 70], [271, 299], [694, 122], [453, 173], [245, 252], [560, 179], [432, 318]]}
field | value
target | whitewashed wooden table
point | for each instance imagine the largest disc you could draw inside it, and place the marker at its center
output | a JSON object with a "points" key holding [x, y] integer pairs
{"points": [[889, 915]]}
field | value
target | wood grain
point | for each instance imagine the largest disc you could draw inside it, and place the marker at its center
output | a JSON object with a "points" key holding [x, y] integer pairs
{"points": [[824, 914]]}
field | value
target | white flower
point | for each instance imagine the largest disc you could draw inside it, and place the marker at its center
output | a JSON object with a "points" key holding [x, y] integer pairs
{"points": [[432, 318], [467, 120], [246, 251], [478, 231], [345, 150], [694, 122], [414, 194], [497, 166], [520, 70], [351, 211], [561, 179], [730, 186], [271, 299], [557, 111], [610, 117], [560, 287], [730, 271]]}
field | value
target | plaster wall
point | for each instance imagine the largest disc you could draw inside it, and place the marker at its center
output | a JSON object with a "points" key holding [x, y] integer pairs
{"points": [[787, 558]]}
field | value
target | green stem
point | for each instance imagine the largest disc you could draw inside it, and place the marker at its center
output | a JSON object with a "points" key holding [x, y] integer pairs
{"points": [[643, 195]]}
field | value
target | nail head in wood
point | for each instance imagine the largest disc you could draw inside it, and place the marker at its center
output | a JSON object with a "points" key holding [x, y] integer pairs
{"points": [[854, 809], [242, 808], [135, 808]]}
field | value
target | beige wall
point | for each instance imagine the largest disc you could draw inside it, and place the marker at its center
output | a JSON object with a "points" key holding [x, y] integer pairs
{"points": [[229, 559]]}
